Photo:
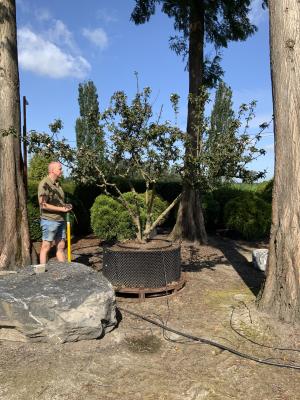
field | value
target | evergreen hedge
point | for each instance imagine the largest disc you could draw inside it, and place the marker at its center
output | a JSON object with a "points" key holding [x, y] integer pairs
{"points": [[248, 215]]}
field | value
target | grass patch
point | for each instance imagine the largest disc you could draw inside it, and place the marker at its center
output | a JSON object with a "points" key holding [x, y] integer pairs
{"points": [[145, 344], [217, 298]]}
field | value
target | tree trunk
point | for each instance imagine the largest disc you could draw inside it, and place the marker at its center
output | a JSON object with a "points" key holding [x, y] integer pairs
{"points": [[190, 222], [281, 293], [14, 233]]}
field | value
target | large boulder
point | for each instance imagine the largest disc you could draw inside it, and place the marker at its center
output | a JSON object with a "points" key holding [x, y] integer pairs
{"points": [[68, 302]]}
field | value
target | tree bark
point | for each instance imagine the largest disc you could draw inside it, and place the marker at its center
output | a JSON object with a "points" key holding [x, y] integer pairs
{"points": [[14, 232], [281, 293], [190, 222]]}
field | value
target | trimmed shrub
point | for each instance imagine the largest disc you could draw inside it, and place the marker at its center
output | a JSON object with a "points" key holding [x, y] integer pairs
{"points": [[34, 222], [249, 215], [110, 220]]}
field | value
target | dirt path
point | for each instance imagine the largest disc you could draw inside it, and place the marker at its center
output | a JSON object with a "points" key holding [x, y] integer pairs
{"points": [[139, 361]]}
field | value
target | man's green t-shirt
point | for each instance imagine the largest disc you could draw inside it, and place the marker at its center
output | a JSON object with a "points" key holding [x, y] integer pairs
{"points": [[53, 194]]}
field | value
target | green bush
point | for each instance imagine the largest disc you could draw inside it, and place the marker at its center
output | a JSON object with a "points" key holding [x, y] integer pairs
{"points": [[211, 211], [110, 220], [214, 204], [249, 215], [266, 191], [34, 222]]}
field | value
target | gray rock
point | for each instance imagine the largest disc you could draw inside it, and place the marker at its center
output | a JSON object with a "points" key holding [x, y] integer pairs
{"points": [[68, 302], [259, 258]]}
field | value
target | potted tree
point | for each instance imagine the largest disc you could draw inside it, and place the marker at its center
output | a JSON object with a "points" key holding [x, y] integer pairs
{"points": [[138, 144]]}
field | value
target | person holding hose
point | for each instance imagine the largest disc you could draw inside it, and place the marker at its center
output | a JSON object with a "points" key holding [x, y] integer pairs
{"points": [[53, 210]]}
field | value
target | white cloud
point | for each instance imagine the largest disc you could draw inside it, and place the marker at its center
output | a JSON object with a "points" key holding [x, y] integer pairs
{"points": [[61, 35], [106, 16], [257, 14], [96, 36], [43, 57], [42, 14]]}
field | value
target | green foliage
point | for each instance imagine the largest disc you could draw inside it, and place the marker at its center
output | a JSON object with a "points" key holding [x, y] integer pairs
{"points": [[211, 211], [144, 148], [68, 186], [215, 202], [145, 145], [33, 192], [110, 220], [38, 167], [266, 191], [227, 151], [88, 129], [222, 196], [249, 215], [34, 221], [141, 146]]}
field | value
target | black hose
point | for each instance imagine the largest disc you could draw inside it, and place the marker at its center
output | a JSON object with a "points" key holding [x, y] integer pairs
{"points": [[211, 342]]}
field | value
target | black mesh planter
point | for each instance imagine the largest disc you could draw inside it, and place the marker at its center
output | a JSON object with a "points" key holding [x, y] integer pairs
{"points": [[139, 270]]}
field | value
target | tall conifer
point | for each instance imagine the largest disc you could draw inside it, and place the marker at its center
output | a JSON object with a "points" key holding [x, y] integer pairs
{"points": [[198, 22]]}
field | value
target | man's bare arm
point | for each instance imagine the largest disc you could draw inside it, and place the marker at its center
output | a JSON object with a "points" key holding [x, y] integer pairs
{"points": [[50, 207]]}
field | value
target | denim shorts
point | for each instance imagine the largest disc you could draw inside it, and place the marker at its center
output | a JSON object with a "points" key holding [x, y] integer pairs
{"points": [[53, 230]]}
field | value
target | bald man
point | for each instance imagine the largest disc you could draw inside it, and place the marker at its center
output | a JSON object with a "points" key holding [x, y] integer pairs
{"points": [[53, 209]]}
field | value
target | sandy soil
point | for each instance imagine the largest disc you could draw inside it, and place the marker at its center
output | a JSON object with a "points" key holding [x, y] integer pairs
{"points": [[140, 361]]}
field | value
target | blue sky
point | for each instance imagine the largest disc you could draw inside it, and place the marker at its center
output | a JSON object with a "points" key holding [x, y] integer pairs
{"points": [[63, 43]]}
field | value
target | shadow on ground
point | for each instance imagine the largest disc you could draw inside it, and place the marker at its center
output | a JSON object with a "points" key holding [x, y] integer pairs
{"points": [[228, 252]]}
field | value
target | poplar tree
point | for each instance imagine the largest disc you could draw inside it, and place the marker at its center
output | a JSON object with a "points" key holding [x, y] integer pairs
{"points": [[228, 147], [88, 130], [198, 22]]}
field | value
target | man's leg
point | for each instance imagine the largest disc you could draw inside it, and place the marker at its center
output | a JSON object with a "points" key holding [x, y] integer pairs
{"points": [[44, 251], [47, 238], [60, 241], [60, 250]]}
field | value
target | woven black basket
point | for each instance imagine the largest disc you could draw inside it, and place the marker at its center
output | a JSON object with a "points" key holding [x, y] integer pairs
{"points": [[133, 268]]}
